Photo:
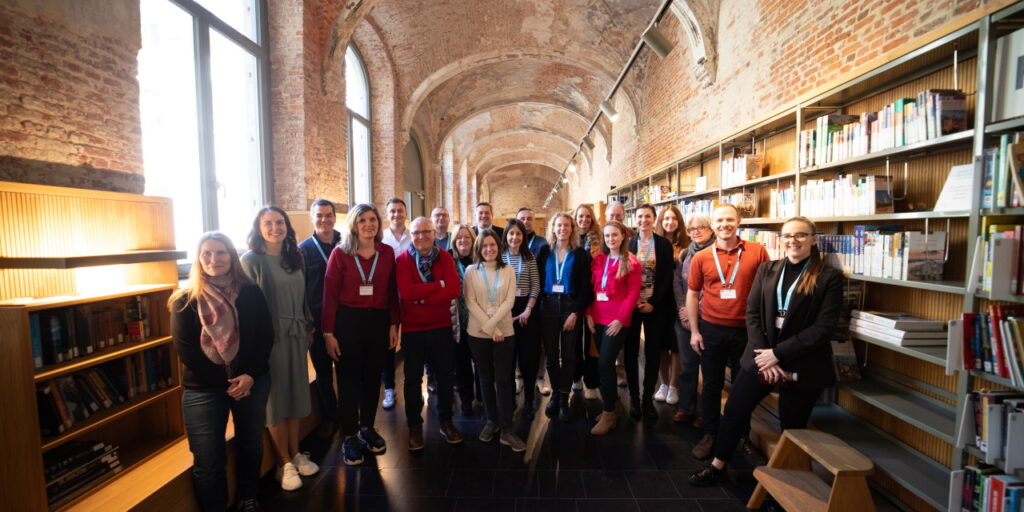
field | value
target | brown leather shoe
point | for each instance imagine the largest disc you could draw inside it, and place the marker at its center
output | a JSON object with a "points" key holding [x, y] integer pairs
{"points": [[415, 438], [450, 434], [680, 417], [697, 423], [704, 447]]}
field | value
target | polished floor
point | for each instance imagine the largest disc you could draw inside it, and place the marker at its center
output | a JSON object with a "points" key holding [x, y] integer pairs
{"points": [[637, 467]]}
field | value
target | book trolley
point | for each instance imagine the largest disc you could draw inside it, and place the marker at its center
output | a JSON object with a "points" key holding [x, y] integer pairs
{"points": [[903, 414]]}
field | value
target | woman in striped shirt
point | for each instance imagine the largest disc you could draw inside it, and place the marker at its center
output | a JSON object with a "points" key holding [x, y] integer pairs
{"points": [[517, 256]]}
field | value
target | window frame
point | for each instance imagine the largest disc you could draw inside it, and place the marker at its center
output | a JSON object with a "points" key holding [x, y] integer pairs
{"points": [[355, 117]]}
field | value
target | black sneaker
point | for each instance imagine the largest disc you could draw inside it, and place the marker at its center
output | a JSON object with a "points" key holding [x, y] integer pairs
{"points": [[249, 505], [649, 412], [371, 440], [352, 452], [634, 409], [709, 475]]}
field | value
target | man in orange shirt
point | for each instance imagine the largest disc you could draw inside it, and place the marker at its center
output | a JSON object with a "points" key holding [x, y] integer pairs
{"points": [[720, 279]]}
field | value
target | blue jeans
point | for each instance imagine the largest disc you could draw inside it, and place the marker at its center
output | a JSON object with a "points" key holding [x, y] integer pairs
{"points": [[206, 418]]}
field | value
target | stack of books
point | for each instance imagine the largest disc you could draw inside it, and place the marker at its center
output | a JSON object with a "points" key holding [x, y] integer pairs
{"points": [[847, 195], [898, 328], [984, 488], [887, 253], [993, 342], [1003, 173], [77, 466], [703, 207], [782, 202]]}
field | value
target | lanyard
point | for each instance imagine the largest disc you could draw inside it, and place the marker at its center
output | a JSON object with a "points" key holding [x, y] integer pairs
{"points": [[373, 268], [560, 265], [418, 271], [492, 293], [650, 248], [316, 242], [784, 306], [462, 268], [604, 277], [516, 261], [718, 265]]}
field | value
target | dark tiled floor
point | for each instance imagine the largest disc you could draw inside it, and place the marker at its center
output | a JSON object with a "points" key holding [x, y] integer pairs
{"points": [[635, 468]]}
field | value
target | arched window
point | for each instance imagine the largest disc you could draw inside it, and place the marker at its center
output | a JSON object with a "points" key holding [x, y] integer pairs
{"points": [[357, 99]]}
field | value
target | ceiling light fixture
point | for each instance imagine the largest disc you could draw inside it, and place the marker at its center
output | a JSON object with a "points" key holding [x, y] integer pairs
{"points": [[609, 110], [588, 142], [657, 41]]}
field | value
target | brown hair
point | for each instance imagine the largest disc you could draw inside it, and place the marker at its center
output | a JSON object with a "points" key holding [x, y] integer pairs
{"points": [[455, 234], [815, 264], [350, 238], [291, 257], [624, 254], [574, 239], [197, 278], [594, 232], [478, 246], [678, 238]]}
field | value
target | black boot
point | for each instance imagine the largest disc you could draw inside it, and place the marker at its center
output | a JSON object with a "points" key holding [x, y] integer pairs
{"points": [[634, 408], [564, 412], [649, 412], [551, 410]]}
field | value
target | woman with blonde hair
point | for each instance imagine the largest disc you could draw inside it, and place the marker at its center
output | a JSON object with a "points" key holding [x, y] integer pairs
{"points": [[588, 229], [461, 249], [223, 336]]}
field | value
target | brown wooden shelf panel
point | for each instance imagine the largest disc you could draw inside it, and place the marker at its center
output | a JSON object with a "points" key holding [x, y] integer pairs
{"points": [[34, 304], [82, 363], [104, 417], [93, 260]]}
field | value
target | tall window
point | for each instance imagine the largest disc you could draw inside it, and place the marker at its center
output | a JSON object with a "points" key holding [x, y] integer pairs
{"points": [[202, 80], [357, 99]]}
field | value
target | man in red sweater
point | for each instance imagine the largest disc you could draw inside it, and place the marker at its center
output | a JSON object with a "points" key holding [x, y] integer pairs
{"points": [[427, 284]]}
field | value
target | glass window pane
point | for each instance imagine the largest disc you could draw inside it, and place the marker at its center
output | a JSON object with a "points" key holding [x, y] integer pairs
{"points": [[167, 104], [360, 158], [236, 136], [240, 14], [357, 97]]}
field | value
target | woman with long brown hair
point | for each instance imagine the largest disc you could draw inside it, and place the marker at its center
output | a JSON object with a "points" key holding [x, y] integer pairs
{"points": [[669, 225], [792, 309]]}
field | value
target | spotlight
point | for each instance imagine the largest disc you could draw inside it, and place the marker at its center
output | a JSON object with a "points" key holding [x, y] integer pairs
{"points": [[565, 179], [609, 110], [657, 41], [572, 166]]}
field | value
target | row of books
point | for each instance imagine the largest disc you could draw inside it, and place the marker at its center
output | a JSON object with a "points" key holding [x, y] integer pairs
{"points": [[993, 342], [1003, 248], [898, 328], [886, 252], [768, 238], [76, 466], [702, 207], [63, 401], [1003, 173], [847, 195], [745, 202], [661, 193], [931, 114], [984, 488], [742, 165], [63, 334], [782, 202]]}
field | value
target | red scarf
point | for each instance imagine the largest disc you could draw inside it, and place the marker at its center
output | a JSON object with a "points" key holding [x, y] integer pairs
{"points": [[219, 318]]}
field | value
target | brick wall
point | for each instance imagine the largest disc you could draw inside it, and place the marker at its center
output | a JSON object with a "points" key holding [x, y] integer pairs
{"points": [[69, 94]]}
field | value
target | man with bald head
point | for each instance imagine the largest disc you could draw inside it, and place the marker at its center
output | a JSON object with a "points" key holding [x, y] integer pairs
{"points": [[427, 284]]}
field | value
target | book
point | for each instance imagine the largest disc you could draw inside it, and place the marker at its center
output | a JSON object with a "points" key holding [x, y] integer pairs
{"points": [[901, 321], [37, 340], [1009, 77], [897, 333], [997, 490], [72, 399], [845, 359], [62, 409], [57, 461], [50, 423], [924, 256]]}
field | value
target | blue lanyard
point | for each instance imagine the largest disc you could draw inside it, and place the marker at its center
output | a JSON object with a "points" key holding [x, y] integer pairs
{"points": [[721, 277], [604, 278], [560, 265], [492, 293], [316, 242], [373, 268], [516, 261], [650, 247], [784, 306]]}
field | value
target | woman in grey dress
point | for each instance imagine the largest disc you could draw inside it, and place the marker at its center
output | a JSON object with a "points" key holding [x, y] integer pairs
{"points": [[274, 262]]}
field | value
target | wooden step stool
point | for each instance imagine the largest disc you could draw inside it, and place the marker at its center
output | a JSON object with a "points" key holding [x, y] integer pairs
{"points": [[788, 477]]}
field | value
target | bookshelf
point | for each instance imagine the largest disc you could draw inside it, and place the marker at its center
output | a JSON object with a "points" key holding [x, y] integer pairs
{"points": [[108, 301], [904, 412]]}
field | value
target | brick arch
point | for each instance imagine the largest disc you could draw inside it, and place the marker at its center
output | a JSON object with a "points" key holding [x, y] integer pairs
{"points": [[499, 117]]}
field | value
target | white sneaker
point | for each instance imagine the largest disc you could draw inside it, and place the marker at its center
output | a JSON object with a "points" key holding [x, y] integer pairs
{"points": [[673, 395], [591, 394], [659, 395], [577, 385], [290, 479], [389, 398], [519, 385], [305, 466]]}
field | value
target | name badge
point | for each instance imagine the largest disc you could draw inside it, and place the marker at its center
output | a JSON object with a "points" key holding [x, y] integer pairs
{"points": [[366, 290], [602, 296], [778, 322], [557, 288], [728, 293]]}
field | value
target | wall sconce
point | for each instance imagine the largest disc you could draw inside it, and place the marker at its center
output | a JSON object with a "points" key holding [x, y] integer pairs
{"points": [[657, 41], [609, 110]]}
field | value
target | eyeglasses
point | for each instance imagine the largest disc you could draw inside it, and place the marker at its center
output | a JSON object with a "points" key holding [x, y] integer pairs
{"points": [[697, 229], [422, 233], [799, 237]]}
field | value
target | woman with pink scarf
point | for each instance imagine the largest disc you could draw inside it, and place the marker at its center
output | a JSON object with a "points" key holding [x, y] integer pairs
{"points": [[223, 334]]}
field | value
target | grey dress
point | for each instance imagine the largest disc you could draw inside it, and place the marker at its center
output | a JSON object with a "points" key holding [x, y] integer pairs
{"points": [[286, 296]]}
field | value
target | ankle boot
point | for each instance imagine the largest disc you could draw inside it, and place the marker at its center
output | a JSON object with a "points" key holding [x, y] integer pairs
{"points": [[564, 412], [605, 423]]}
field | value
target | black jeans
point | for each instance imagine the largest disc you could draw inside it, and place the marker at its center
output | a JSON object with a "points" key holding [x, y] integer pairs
{"points": [[437, 347], [363, 346], [387, 375], [656, 325], [527, 348], [689, 371], [206, 417], [325, 370], [495, 362], [795, 407], [559, 345], [609, 347], [723, 346], [465, 376], [586, 364]]}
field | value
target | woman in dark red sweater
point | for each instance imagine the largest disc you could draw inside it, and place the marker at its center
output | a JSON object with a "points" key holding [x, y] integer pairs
{"points": [[360, 296]]}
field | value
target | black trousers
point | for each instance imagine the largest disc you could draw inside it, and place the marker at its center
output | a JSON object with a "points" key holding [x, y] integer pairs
{"points": [[364, 346], [610, 347], [437, 347], [495, 366], [586, 364], [528, 345], [325, 370], [465, 376], [795, 407], [656, 326], [387, 375], [559, 346], [723, 346]]}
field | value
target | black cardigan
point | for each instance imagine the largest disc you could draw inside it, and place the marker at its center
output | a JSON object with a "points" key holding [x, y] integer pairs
{"points": [[256, 338], [803, 345], [662, 297], [580, 278]]}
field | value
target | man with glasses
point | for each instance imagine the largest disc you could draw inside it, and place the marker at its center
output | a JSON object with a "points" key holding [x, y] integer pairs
{"points": [[720, 278], [615, 211], [427, 284], [441, 219]]}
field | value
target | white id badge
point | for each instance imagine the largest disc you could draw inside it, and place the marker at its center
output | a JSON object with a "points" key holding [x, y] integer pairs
{"points": [[557, 288], [519, 292], [728, 293], [602, 296], [366, 290], [778, 322]]}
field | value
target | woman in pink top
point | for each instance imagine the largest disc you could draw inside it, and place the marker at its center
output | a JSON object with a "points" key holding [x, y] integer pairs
{"points": [[616, 279]]}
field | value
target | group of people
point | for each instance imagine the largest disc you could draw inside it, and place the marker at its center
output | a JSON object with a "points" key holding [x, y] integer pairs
{"points": [[479, 308]]}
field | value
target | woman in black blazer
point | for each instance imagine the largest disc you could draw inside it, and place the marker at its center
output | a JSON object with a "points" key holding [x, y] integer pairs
{"points": [[792, 311]]}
